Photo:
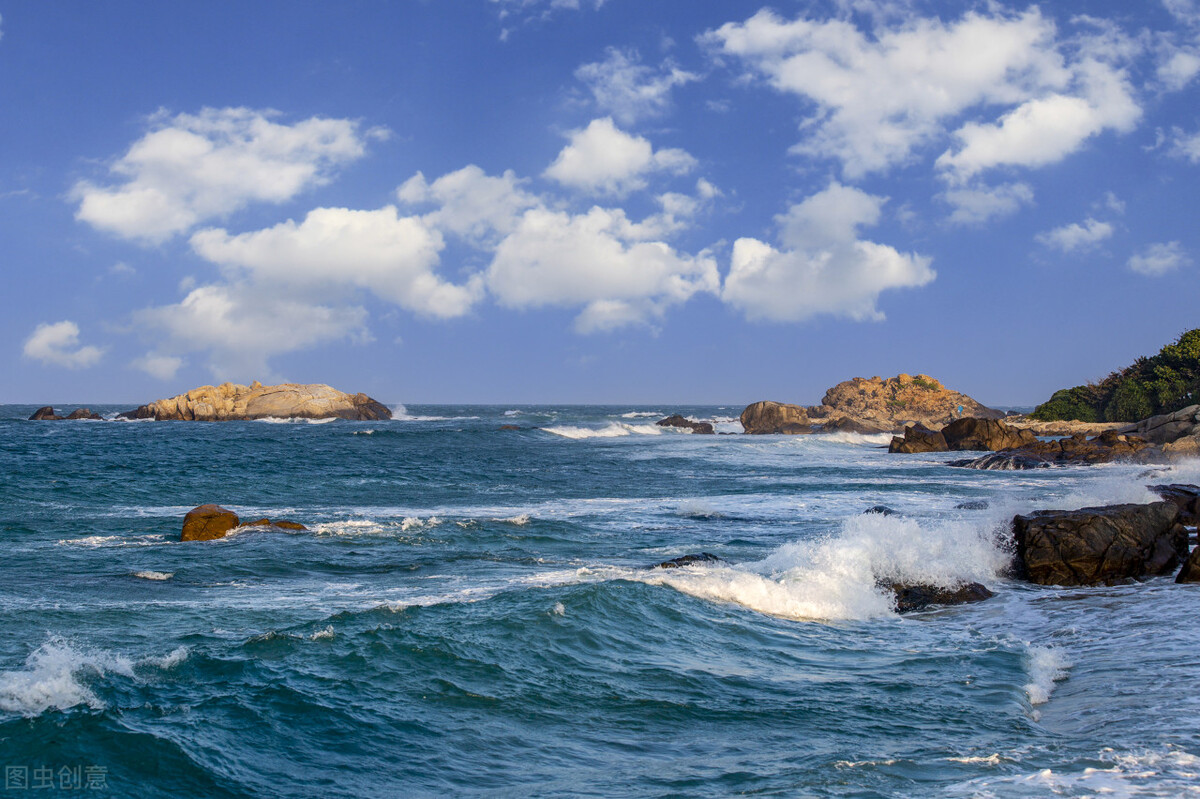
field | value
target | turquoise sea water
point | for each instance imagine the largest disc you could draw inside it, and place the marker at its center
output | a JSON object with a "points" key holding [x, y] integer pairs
{"points": [[468, 615]]}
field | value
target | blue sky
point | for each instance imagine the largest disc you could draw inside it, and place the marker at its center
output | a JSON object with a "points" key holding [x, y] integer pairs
{"points": [[558, 201]]}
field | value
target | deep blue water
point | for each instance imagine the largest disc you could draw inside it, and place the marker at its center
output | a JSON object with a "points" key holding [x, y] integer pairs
{"points": [[468, 614]]}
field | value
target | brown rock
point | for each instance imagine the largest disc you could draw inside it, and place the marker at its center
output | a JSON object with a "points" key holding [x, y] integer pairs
{"points": [[919, 438], [1185, 496], [1099, 546], [1186, 447], [844, 424], [1169, 427], [1190, 573], [233, 402], [83, 413], [206, 522], [986, 435], [768, 417], [894, 403], [45, 414], [284, 524]]}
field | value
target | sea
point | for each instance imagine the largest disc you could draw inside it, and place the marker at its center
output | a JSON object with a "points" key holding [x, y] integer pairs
{"points": [[470, 613]]}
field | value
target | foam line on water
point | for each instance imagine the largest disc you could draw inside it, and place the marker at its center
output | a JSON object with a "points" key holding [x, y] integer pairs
{"points": [[613, 430]]}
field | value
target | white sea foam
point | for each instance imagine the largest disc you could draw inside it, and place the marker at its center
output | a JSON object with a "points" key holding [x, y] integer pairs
{"points": [[295, 420], [149, 575], [51, 679], [169, 660], [837, 577], [513, 412], [614, 430], [1047, 666], [559, 609], [417, 523], [1172, 772], [401, 414], [322, 635], [521, 519], [856, 439], [641, 415], [698, 509], [93, 541]]}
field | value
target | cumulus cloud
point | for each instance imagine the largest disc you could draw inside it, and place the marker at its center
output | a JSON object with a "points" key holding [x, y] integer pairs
{"points": [[1158, 259], [57, 343], [470, 203], [240, 326], [976, 204], [823, 267], [164, 367], [1076, 236], [390, 255], [613, 267], [878, 97], [1185, 145], [191, 168], [629, 90], [602, 158], [1178, 69]]}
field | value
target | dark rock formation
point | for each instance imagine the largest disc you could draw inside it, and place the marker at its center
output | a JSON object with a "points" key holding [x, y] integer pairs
{"points": [[919, 438], [510, 427], [45, 414], [918, 596], [207, 522], [882, 510], [281, 524], [1185, 496], [1098, 546], [973, 504], [84, 413], [844, 424], [676, 420], [1003, 462], [985, 435], [704, 558], [766, 417], [1169, 427], [1190, 573]]}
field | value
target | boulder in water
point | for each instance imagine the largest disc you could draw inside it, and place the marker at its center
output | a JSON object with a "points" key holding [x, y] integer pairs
{"points": [[45, 414], [767, 417], [919, 596], [972, 504], [881, 510], [84, 413], [704, 559], [1099, 546], [1185, 496], [676, 420], [987, 435], [208, 522], [919, 438]]}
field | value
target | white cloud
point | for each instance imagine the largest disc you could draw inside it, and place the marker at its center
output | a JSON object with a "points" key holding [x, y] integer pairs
{"points": [[1075, 236], [58, 343], [1185, 145], [878, 97], [191, 168], [629, 90], [600, 260], [604, 159], [826, 268], [1178, 69], [164, 367], [978, 203], [240, 326], [470, 203], [392, 256], [1158, 259]]}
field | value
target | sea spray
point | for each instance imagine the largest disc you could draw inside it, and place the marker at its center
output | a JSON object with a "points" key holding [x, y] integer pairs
{"points": [[838, 577]]}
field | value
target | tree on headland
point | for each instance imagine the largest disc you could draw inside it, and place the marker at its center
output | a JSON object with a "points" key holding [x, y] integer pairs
{"points": [[1161, 383]]}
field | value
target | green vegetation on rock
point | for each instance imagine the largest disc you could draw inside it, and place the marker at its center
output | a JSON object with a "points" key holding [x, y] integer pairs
{"points": [[1162, 383]]}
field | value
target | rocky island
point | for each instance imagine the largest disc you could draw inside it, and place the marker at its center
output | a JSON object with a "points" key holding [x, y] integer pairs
{"points": [[234, 402], [869, 405]]}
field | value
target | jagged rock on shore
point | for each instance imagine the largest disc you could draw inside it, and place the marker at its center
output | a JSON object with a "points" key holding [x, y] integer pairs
{"points": [[234, 402], [1185, 496], [768, 417], [1098, 546], [1107, 447], [676, 420], [1167, 428], [919, 438], [1190, 573], [986, 435]]}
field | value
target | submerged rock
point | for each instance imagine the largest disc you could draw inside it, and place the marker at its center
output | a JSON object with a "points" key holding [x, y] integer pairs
{"points": [[208, 522], [676, 420], [1003, 461], [234, 402], [918, 596], [973, 504], [704, 558], [1098, 546], [882, 510]]}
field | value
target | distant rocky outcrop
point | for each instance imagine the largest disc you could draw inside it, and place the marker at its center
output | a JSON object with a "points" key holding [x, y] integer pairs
{"points": [[1178, 432], [869, 405], [1099, 546], [47, 414], [234, 402], [676, 420], [210, 522]]}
